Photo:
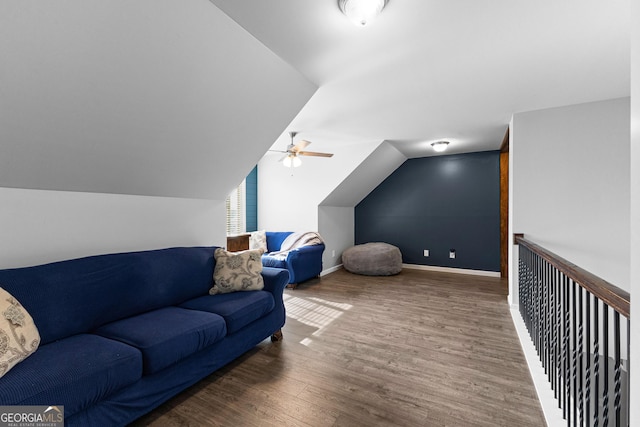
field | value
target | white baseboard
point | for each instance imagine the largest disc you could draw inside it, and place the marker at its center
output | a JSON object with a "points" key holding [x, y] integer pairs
{"points": [[452, 270], [330, 270], [552, 413]]}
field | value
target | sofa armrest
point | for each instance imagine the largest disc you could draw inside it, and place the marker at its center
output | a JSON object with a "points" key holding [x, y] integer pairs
{"points": [[275, 280], [311, 250], [305, 262]]}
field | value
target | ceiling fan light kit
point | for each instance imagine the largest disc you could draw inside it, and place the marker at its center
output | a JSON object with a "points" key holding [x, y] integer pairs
{"points": [[292, 161], [362, 12], [294, 151], [440, 146]]}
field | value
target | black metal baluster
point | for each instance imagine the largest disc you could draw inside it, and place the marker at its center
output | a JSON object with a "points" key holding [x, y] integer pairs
{"points": [[616, 356], [547, 318], [520, 286], [587, 358], [579, 352], [628, 382], [530, 292], [536, 307], [524, 290], [574, 354], [565, 350], [605, 368], [596, 363], [558, 338], [552, 337], [541, 296], [543, 314], [529, 295]]}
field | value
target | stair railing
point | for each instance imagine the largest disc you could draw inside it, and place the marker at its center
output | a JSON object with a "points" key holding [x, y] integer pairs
{"points": [[579, 325]]}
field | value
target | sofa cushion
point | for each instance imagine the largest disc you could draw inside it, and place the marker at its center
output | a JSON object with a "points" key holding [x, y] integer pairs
{"points": [[274, 261], [237, 271], [258, 240], [237, 309], [19, 336], [167, 335], [79, 371], [275, 239], [83, 294]]}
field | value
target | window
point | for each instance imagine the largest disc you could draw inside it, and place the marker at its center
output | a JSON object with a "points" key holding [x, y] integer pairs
{"points": [[236, 206], [242, 206]]}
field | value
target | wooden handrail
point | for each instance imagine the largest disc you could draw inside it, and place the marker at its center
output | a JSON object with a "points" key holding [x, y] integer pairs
{"points": [[615, 297]]}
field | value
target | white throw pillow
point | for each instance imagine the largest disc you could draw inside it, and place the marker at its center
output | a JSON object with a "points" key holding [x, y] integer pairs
{"points": [[237, 271], [19, 337], [258, 240]]}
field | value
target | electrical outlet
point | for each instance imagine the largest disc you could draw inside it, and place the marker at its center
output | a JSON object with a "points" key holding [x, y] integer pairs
{"points": [[452, 253], [426, 252], [333, 253]]}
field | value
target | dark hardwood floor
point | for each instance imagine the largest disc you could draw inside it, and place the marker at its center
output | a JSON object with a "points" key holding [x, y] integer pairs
{"points": [[417, 349]]}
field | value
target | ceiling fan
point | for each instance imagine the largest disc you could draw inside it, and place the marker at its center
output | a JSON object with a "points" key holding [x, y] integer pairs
{"points": [[292, 159]]}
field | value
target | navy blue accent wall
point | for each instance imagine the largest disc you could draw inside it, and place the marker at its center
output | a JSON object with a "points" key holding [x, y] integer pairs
{"points": [[438, 203], [251, 194]]}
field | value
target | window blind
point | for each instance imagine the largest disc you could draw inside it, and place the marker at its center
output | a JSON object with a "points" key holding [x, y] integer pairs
{"points": [[236, 210]]}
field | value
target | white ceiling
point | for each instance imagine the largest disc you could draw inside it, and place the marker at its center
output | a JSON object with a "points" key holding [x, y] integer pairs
{"points": [[441, 69]]}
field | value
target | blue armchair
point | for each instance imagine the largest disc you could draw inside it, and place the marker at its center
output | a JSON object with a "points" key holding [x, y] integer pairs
{"points": [[303, 263]]}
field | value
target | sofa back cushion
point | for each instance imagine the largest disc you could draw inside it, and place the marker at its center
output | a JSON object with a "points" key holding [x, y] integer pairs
{"points": [[76, 296], [275, 239]]}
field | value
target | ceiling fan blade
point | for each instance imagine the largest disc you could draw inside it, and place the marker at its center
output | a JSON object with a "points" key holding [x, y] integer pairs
{"points": [[314, 154], [300, 146]]}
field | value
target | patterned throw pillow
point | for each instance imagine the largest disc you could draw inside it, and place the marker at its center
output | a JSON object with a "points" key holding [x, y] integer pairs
{"points": [[258, 240], [19, 337], [237, 271]]}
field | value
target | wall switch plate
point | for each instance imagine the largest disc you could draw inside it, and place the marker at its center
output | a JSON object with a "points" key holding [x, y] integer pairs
{"points": [[452, 253], [426, 252], [333, 253]]}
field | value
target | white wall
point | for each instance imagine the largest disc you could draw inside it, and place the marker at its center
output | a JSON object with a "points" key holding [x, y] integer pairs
{"points": [[337, 226], [569, 191], [570, 185], [635, 214], [336, 213], [288, 198], [38, 226]]}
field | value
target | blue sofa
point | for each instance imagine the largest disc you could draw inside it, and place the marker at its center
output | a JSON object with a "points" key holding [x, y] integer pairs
{"points": [[303, 263], [122, 333]]}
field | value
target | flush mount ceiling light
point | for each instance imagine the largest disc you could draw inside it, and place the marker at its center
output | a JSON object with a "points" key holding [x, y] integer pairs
{"points": [[440, 146], [362, 12]]}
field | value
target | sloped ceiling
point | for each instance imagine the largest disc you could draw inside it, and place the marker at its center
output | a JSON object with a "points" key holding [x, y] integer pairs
{"points": [[438, 69], [366, 176], [146, 97]]}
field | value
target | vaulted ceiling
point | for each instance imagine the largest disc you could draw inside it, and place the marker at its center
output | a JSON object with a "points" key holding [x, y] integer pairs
{"points": [[174, 98], [146, 97], [438, 69]]}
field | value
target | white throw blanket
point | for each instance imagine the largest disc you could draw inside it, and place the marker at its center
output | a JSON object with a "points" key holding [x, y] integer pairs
{"points": [[297, 240]]}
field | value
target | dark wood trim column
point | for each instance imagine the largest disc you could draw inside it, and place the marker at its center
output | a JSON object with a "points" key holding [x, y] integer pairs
{"points": [[504, 206]]}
